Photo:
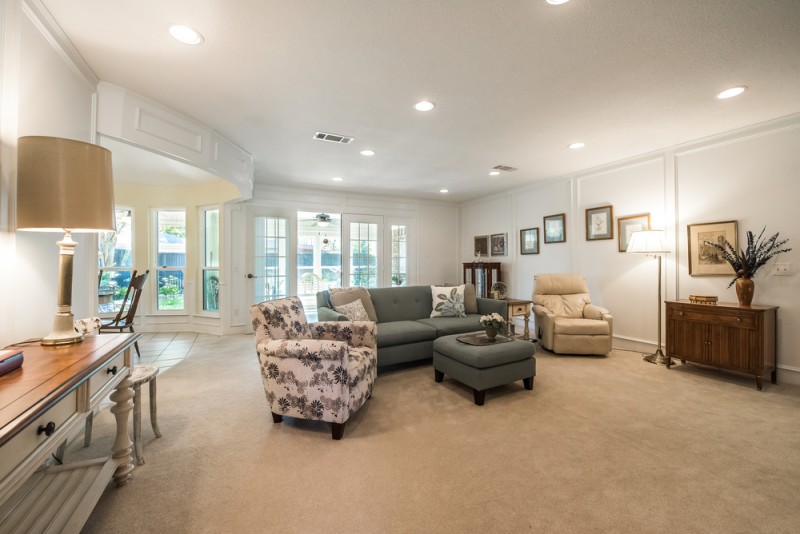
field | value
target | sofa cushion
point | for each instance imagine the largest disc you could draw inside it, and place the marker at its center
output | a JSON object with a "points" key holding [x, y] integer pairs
{"points": [[588, 327], [470, 299], [402, 332], [354, 311], [401, 303], [341, 297], [446, 326], [447, 301]]}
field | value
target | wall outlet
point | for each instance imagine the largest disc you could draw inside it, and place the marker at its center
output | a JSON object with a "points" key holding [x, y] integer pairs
{"points": [[782, 268]]}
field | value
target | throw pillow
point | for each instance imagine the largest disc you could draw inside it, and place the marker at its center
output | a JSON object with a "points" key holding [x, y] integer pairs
{"points": [[470, 299], [354, 311], [448, 301], [339, 298]]}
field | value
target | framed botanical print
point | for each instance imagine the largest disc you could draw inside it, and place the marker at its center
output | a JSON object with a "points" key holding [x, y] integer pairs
{"points": [[555, 228], [529, 241], [628, 225], [498, 243], [600, 223], [704, 259], [481, 245]]}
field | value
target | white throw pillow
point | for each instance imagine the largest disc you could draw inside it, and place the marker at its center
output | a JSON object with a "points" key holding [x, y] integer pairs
{"points": [[448, 301], [354, 311]]}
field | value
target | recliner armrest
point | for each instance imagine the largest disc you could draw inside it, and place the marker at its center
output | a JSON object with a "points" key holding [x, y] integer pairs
{"points": [[592, 311], [541, 310]]}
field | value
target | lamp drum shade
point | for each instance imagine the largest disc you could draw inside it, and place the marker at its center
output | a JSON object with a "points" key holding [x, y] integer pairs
{"points": [[647, 242], [64, 184]]}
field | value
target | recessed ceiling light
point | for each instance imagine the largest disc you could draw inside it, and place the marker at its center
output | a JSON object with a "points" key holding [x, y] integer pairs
{"points": [[185, 34], [424, 105], [730, 93], [556, 2], [337, 179], [576, 145], [367, 152], [444, 191], [494, 173]]}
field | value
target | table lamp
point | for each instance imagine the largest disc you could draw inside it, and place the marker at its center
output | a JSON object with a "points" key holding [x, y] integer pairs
{"points": [[64, 186], [652, 243]]}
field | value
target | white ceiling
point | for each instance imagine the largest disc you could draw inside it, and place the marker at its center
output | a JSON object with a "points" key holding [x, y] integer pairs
{"points": [[514, 81]]}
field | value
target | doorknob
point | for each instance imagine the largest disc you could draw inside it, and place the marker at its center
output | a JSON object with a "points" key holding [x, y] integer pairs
{"points": [[250, 275]]}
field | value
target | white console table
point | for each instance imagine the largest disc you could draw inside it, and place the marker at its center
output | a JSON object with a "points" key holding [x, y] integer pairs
{"points": [[41, 406]]}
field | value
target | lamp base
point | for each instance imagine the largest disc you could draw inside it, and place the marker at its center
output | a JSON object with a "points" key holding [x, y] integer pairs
{"points": [[63, 331], [658, 358]]}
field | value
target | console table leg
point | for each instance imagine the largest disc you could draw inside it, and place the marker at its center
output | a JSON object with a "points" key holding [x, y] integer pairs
{"points": [[121, 450]]}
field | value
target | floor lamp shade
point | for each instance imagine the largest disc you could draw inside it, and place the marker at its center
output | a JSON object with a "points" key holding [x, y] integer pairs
{"points": [[63, 186]]}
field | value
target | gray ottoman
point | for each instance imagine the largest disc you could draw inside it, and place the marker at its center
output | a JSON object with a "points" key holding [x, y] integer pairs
{"points": [[486, 366]]}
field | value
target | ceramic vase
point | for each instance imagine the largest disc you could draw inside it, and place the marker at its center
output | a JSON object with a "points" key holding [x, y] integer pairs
{"points": [[491, 333], [745, 288]]}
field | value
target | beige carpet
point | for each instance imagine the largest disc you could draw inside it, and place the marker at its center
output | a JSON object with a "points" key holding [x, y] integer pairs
{"points": [[600, 445]]}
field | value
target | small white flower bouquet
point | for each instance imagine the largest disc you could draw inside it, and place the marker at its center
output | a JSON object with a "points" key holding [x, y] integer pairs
{"points": [[494, 319]]}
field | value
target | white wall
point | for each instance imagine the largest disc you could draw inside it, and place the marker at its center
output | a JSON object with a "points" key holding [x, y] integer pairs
{"points": [[749, 176]]}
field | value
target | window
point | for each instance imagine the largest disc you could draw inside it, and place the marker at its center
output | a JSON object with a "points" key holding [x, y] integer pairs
{"points": [[115, 261], [170, 259], [399, 255], [210, 268], [363, 254], [269, 257]]}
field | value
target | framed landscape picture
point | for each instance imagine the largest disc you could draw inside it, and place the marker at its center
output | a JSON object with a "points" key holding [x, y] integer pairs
{"points": [[499, 243], [529, 241], [600, 223], [704, 259], [628, 225], [555, 229], [481, 245]]}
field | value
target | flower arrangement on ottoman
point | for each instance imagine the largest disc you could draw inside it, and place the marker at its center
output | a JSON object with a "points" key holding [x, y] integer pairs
{"points": [[323, 371]]}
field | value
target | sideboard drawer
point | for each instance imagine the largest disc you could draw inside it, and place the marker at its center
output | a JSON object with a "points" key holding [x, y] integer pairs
{"points": [[742, 320], [31, 438], [106, 374]]}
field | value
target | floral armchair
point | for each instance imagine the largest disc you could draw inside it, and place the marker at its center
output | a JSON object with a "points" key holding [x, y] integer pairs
{"points": [[323, 371]]}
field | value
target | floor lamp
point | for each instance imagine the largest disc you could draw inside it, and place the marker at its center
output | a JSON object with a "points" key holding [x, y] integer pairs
{"points": [[64, 186], [652, 243]]}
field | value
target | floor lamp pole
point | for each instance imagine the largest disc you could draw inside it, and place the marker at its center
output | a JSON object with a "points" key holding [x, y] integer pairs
{"points": [[658, 357]]}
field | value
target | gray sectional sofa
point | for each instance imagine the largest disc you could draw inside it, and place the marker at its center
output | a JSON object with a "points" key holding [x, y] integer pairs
{"points": [[405, 328]]}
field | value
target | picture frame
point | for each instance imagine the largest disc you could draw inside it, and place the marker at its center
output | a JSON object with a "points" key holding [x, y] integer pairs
{"points": [[481, 247], [705, 260], [555, 228], [499, 244], [529, 241], [627, 225], [600, 223]]}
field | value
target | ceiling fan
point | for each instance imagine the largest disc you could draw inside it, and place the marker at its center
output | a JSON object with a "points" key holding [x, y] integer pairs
{"points": [[323, 219]]}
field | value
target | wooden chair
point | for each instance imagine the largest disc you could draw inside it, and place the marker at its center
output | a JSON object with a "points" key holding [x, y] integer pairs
{"points": [[127, 312]]}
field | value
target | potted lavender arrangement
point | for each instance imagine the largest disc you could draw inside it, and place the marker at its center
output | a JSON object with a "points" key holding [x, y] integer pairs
{"points": [[747, 261]]}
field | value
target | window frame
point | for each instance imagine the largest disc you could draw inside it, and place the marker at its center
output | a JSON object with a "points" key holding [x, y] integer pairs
{"points": [[157, 268], [203, 267]]}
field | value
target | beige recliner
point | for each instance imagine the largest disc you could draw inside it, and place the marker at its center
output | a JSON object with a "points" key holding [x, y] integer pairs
{"points": [[566, 320]]}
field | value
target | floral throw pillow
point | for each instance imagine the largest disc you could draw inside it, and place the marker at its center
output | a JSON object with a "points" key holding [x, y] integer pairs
{"points": [[354, 311], [448, 301]]}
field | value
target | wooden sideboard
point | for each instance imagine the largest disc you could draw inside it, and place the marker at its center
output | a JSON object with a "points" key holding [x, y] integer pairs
{"points": [[44, 403], [726, 336]]}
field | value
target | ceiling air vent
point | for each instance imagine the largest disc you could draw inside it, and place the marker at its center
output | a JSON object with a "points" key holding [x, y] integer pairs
{"points": [[504, 168], [333, 138]]}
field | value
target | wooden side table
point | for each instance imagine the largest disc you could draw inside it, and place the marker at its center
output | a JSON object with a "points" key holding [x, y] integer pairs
{"points": [[517, 308]]}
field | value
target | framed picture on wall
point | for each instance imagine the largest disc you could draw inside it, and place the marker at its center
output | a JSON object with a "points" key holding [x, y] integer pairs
{"points": [[705, 260], [499, 243], [555, 228], [628, 225], [599, 223], [481, 245], [529, 241]]}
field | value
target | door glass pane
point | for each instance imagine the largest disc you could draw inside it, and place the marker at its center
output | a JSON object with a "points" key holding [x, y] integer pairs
{"points": [[319, 256], [115, 258], [399, 255], [269, 257], [363, 254]]}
